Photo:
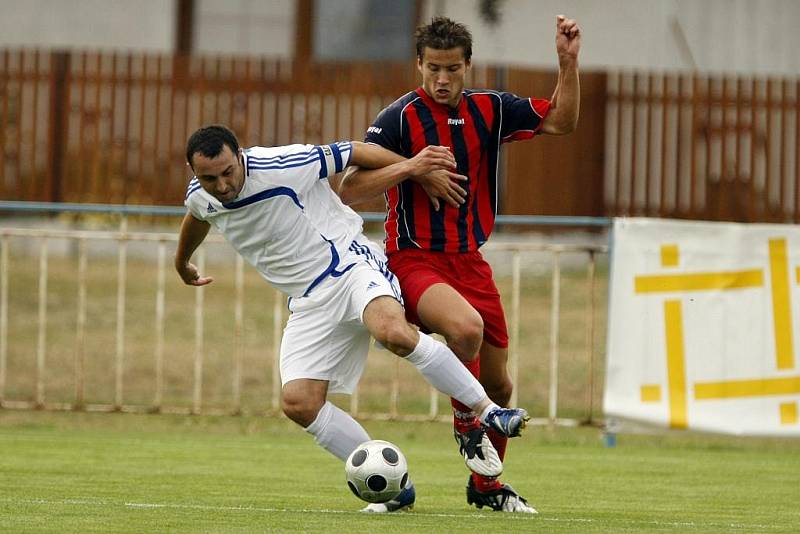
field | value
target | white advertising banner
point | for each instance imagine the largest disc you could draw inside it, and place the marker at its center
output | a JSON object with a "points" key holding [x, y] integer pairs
{"points": [[704, 326]]}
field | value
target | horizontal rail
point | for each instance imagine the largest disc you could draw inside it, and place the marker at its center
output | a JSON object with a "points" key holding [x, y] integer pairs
{"points": [[131, 209]]}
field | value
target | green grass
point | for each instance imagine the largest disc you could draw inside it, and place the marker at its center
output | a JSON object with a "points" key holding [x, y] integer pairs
{"points": [[80, 472]]}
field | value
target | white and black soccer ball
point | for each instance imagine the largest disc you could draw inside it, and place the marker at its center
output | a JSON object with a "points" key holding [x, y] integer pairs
{"points": [[376, 471]]}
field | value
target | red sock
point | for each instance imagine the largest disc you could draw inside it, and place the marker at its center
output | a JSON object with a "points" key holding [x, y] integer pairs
{"points": [[464, 419], [484, 484], [499, 441]]}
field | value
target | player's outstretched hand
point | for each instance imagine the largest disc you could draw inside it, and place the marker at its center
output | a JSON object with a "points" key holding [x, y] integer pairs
{"points": [[191, 277], [568, 38]]}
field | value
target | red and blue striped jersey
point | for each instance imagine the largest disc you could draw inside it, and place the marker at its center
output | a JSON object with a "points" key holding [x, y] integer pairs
{"points": [[474, 131]]}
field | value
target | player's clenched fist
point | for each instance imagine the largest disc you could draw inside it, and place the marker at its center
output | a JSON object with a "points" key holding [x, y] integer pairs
{"points": [[568, 38]]}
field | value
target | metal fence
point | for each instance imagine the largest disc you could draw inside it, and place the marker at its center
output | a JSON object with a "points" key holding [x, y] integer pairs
{"points": [[123, 237]]}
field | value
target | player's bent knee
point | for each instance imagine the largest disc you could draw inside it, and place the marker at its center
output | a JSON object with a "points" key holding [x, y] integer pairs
{"points": [[302, 411], [398, 337], [466, 338], [500, 392]]}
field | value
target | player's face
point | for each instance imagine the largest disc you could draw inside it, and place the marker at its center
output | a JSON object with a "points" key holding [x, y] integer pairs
{"points": [[443, 74], [223, 176]]}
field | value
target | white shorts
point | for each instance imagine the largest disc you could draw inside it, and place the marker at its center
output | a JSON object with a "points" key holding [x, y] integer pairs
{"points": [[325, 337]]}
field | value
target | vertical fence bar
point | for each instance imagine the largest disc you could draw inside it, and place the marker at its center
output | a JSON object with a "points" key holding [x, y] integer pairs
{"points": [[679, 157], [768, 177], [80, 327], [737, 144], [6, 76], [590, 311], [784, 152], [197, 392], [433, 395], [42, 337], [665, 102], [34, 120], [633, 209], [648, 138], [277, 323], [121, 283], [692, 147], [797, 150], [555, 308], [159, 326], [238, 354], [394, 396], [24, 189], [618, 160], [514, 341], [3, 315], [752, 205]]}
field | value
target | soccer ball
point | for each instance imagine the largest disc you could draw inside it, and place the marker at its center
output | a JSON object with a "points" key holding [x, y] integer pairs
{"points": [[376, 471]]}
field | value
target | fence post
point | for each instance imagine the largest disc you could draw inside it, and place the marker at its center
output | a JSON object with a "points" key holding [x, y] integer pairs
{"points": [[59, 115]]}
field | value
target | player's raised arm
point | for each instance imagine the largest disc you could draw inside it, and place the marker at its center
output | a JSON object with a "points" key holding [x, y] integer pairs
{"points": [[193, 232], [375, 169], [564, 106]]}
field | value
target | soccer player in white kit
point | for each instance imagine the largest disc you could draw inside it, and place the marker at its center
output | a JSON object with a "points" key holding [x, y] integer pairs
{"points": [[275, 207]]}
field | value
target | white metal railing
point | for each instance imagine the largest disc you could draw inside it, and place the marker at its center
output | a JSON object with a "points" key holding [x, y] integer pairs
{"points": [[123, 237]]}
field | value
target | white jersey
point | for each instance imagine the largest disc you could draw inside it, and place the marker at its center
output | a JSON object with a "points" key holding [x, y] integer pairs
{"points": [[286, 222]]}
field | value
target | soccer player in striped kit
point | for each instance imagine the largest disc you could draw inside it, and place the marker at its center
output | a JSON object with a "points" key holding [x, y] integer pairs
{"points": [[275, 207], [437, 223]]}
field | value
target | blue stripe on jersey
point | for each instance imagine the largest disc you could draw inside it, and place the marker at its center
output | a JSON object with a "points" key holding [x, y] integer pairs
{"points": [[263, 195], [257, 166], [191, 189], [436, 218], [283, 157], [331, 270], [337, 157], [323, 171]]}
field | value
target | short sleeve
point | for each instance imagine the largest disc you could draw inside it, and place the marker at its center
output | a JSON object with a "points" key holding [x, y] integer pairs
{"points": [[386, 130], [191, 201], [299, 167], [522, 117]]}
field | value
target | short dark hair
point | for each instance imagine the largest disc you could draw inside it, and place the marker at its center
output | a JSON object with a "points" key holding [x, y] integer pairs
{"points": [[209, 141], [443, 34]]}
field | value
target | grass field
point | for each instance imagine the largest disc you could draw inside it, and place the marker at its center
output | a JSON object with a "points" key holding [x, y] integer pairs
{"points": [[79, 472]]}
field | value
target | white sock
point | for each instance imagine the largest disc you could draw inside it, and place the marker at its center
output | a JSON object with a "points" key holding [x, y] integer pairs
{"points": [[486, 411], [444, 371], [336, 431]]}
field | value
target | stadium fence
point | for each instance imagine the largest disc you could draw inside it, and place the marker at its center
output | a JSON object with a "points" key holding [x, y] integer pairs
{"points": [[40, 239]]}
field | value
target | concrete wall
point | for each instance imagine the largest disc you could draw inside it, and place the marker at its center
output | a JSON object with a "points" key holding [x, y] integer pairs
{"points": [[122, 24], [742, 36], [739, 36]]}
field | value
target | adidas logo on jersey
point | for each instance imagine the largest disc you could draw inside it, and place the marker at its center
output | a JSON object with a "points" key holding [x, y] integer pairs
{"points": [[371, 285], [211, 208]]}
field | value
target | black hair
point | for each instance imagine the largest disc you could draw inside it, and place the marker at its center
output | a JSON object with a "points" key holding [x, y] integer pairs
{"points": [[443, 34], [209, 141]]}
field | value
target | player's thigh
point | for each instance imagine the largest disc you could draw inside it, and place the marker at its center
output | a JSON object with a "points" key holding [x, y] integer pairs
{"points": [[443, 310], [318, 348]]}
